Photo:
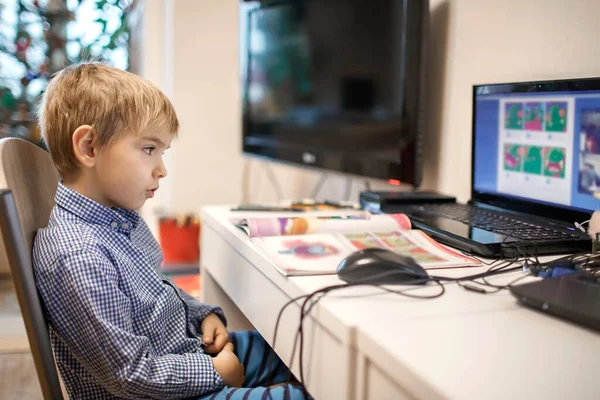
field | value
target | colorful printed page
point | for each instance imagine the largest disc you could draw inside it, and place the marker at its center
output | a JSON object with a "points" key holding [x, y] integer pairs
{"points": [[321, 253], [349, 223]]}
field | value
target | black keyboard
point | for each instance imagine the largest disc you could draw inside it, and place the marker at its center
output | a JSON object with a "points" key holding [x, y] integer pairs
{"points": [[495, 221]]}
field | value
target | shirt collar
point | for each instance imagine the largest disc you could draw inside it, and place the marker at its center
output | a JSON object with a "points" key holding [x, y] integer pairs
{"points": [[94, 212]]}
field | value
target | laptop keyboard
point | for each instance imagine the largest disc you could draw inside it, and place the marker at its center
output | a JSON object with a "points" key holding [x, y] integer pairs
{"points": [[498, 222]]}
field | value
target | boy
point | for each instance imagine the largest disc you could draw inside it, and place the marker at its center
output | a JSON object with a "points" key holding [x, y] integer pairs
{"points": [[118, 328]]}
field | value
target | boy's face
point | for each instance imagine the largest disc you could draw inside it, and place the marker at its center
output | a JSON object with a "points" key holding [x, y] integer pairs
{"points": [[129, 170]]}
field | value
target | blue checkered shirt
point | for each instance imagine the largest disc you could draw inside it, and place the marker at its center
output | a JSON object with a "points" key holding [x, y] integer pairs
{"points": [[119, 329]]}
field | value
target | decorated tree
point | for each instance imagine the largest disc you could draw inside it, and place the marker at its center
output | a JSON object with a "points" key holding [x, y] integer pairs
{"points": [[40, 37]]}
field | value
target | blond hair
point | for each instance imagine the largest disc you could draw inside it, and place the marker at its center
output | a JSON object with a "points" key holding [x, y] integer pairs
{"points": [[112, 101]]}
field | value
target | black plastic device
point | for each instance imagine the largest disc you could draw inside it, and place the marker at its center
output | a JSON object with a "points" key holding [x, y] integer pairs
{"points": [[386, 201]]}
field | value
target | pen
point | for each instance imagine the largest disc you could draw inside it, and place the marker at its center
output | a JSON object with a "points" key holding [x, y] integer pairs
{"points": [[343, 217], [339, 204], [251, 207]]}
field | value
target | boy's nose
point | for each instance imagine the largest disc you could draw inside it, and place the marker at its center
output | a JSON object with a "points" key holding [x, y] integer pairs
{"points": [[161, 171]]}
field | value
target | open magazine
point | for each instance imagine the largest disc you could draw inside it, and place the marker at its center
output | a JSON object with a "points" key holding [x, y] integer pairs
{"points": [[313, 245]]}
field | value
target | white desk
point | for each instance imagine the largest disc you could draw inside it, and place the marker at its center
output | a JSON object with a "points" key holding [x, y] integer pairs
{"points": [[365, 345]]}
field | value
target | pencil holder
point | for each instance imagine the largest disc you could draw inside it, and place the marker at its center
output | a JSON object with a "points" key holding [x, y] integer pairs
{"points": [[179, 239]]}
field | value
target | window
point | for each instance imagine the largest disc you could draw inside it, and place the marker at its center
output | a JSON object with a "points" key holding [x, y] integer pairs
{"points": [[40, 37]]}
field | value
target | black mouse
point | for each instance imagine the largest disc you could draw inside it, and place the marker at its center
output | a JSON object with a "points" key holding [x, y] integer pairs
{"points": [[377, 266]]}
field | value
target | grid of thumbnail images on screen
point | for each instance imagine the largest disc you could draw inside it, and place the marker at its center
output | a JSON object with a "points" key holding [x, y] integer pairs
{"points": [[548, 122]]}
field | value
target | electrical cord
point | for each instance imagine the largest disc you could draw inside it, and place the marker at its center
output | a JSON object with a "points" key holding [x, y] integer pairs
{"points": [[498, 288], [583, 261], [485, 283], [520, 254], [528, 258], [308, 305], [277, 321], [322, 294], [481, 261], [304, 312], [497, 267], [581, 225], [476, 276], [528, 253]]}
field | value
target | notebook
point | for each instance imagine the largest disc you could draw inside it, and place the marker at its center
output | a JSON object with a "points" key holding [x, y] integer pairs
{"points": [[535, 161]]}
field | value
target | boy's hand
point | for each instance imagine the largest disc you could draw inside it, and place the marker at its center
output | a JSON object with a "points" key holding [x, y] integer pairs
{"points": [[214, 334], [228, 366]]}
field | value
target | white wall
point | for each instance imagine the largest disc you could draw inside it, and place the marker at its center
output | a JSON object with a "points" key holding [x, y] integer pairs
{"points": [[502, 41], [472, 41], [156, 47], [207, 166]]}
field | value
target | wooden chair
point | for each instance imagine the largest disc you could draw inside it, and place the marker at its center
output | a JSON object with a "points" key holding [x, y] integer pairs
{"points": [[28, 182]]}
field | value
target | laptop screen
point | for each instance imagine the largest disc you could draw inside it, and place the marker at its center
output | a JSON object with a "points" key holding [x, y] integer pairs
{"points": [[539, 141]]}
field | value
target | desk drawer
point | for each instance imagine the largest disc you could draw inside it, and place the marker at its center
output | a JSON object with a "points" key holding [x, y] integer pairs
{"points": [[376, 384], [328, 363]]}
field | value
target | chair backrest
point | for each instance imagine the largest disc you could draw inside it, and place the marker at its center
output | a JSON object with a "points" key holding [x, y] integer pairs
{"points": [[28, 171], [28, 181]]}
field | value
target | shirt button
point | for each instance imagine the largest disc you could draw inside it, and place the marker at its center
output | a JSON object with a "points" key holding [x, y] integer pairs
{"points": [[125, 226], [114, 224]]}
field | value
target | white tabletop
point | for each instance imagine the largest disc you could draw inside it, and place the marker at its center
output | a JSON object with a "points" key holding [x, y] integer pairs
{"points": [[501, 354]]}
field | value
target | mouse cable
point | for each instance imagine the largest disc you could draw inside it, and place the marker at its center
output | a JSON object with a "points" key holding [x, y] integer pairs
{"points": [[305, 310], [502, 267], [499, 269], [304, 313], [497, 264], [271, 356], [520, 252], [494, 288], [481, 261], [503, 259], [476, 276], [495, 260], [531, 263], [277, 321], [326, 289], [515, 256], [276, 329], [481, 290], [323, 292]]}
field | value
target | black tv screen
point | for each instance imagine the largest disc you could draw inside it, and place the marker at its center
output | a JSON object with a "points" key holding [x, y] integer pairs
{"points": [[337, 84]]}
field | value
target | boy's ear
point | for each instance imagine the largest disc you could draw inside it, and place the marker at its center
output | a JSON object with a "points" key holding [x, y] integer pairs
{"points": [[84, 145]]}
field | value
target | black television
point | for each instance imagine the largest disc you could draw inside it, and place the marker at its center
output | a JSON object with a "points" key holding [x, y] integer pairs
{"points": [[337, 85]]}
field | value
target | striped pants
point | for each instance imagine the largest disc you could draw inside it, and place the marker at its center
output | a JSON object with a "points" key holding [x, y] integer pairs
{"points": [[262, 367]]}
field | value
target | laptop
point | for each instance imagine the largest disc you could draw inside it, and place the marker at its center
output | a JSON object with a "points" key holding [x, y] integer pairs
{"points": [[535, 172], [574, 297]]}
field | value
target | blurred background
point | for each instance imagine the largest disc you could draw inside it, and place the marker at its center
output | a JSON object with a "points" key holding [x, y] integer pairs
{"points": [[40, 37], [191, 50]]}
